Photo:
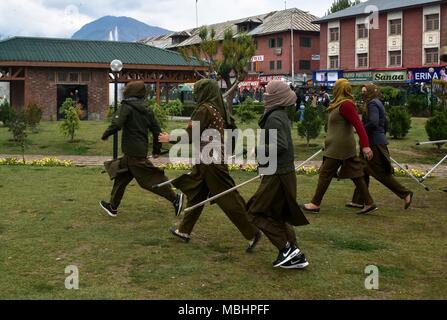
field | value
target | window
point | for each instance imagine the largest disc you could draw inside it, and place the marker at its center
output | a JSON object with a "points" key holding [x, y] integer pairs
{"points": [[334, 34], [85, 76], [432, 22], [362, 31], [362, 60], [333, 62], [74, 77], [305, 65], [257, 44], [272, 43], [432, 56], [279, 65], [61, 77], [51, 77], [395, 58], [306, 42], [279, 43], [272, 65], [396, 27]]}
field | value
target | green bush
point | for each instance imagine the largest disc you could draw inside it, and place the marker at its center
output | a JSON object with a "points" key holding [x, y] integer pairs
{"points": [[160, 114], [247, 111], [436, 127], [418, 105], [5, 112], [310, 127], [174, 108], [33, 116], [17, 126], [399, 122], [71, 121], [393, 96]]}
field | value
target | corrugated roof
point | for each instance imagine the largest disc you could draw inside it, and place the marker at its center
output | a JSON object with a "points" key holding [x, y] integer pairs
{"points": [[382, 5], [272, 22], [85, 51], [280, 21]]}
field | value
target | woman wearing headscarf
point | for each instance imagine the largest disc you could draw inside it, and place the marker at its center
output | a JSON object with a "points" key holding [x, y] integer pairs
{"points": [[340, 149], [211, 179], [273, 208], [380, 166]]}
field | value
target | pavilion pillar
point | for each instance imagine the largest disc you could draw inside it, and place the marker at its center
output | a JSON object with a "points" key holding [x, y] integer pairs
{"points": [[26, 88], [158, 92], [167, 92]]}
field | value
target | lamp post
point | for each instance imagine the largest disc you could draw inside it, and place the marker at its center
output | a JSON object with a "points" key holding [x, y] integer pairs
{"points": [[432, 73], [116, 66]]}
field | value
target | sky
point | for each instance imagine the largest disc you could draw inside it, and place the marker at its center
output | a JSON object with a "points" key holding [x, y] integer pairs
{"points": [[62, 18]]}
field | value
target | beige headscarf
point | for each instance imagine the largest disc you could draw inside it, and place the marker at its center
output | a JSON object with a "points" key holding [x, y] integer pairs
{"points": [[278, 94], [342, 93]]}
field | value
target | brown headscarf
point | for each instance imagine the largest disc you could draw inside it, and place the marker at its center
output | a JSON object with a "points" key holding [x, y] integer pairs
{"points": [[135, 89], [342, 93], [208, 92], [278, 94]]}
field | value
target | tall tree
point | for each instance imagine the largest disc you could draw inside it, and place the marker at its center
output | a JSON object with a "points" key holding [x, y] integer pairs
{"points": [[339, 5], [231, 65]]}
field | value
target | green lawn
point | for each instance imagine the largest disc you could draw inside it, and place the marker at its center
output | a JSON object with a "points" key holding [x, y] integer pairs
{"points": [[49, 219], [49, 141]]}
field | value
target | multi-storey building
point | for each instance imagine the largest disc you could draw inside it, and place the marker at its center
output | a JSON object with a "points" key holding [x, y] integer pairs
{"points": [[273, 34], [385, 41]]}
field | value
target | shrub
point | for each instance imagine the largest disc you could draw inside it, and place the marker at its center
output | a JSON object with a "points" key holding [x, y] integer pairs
{"points": [[399, 122], [33, 116], [393, 96], [247, 110], [310, 127], [174, 108], [17, 126], [71, 121], [160, 114], [418, 105], [436, 127], [5, 112]]}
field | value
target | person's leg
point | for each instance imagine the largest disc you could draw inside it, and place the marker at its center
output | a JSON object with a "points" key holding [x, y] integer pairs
{"points": [[357, 198], [364, 191], [327, 172], [119, 187], [190, 219], [147, 175], [276, 232]]}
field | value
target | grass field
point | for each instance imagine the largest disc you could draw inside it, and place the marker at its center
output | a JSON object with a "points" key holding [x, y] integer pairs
{"points": [[49, 141], [49, 219]]}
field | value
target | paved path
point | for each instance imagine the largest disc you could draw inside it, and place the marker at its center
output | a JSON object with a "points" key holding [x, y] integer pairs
{"points": [[92, 161]]}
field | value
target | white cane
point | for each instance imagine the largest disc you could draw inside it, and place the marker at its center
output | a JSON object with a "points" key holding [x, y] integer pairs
{"points": [[433, 170], [411, 175]]}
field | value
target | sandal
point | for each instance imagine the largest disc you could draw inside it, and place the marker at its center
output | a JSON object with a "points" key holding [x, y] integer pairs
{"points": [[183, 236], [354, 205], [373, 208], [408, 204]]}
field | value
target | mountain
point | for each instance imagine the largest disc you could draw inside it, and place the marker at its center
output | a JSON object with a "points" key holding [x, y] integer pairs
{"points": [[118, 29]]}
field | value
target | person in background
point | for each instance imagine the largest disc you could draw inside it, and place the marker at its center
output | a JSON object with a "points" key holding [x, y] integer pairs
{"points": [[340, 153], [136, 120], [380, 166]]}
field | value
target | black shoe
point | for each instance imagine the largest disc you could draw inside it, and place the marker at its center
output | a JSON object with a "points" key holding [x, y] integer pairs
{"points": [[373, 209], [408, 205], [178, 204], [109, 209], [184, 237], [354, 205], [445, 190], [299, 262], [285, 255], [253, 244]]}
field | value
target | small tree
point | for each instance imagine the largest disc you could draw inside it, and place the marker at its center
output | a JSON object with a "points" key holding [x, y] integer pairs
{"points": [[160, 114], [174, 108], [310, 127], [17, 126], [71, 121], [399, 122], [339, 5], [247, 110], [33, 116], [436, 127]]}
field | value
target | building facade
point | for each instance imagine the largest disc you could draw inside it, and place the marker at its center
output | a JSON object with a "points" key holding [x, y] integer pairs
{"points": [[385, 41], [46, 72], [277, 56]]}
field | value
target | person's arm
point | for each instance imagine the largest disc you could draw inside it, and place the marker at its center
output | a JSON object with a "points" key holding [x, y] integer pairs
{"points": [[118, 122], [281, 142], [349, 112], [155, 129]]}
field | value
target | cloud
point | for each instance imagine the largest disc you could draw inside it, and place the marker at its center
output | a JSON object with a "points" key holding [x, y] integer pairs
{"points": [[61, 18]]}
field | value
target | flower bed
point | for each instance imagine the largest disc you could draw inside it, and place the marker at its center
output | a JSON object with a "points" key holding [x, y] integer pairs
{"points": [[45, 162]]}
